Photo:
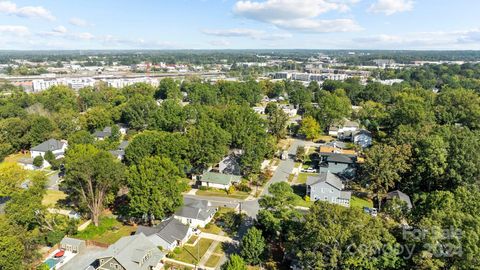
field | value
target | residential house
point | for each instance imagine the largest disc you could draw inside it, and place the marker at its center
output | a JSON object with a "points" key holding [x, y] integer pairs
{"points": [[119, 153], [55, 146], [230, 164], [103, 134], [259, 110], [400, 195], [327, 187], [289, 110], [340, 164], [197, 213], [168, 235], [72, 244], [344, 126], [363, 138], [133, 252], [219, 180]]}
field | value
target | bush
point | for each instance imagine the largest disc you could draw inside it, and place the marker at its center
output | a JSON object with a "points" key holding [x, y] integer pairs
{"points": [[203, 188], [38, 161]]}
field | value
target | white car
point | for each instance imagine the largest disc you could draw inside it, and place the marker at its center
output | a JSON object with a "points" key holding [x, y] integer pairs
{"points": [[310, 170]]}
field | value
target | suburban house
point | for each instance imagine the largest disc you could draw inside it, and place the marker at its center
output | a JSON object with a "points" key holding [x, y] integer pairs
{"points": [[119, 153], [133, 252], [363, 138], [340, 164], [197, 213], [259, 110], [72, 244], [103, 134], [327, 187], [230, 164], [55, 146], [169, 234], [219, 180], [400, 195], [347, 125], [289, 110]]}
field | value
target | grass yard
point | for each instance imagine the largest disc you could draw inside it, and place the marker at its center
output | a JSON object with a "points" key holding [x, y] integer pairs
{"points": [[301, 202], [108, 231], [14, 158], [213, 260], [211, 228], [52, 197], [222, 193], [192, 239], [188, 254], [302, 177], [360, 203]]}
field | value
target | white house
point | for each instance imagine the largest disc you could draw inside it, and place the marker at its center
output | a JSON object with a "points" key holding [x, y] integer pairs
{"points": [[346, 126], [196, 213], [219, 180], [55, 146], [169, 234]]}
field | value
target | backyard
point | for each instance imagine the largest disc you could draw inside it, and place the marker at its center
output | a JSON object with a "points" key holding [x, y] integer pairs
{"points": [[108, 231], [357, 202]]}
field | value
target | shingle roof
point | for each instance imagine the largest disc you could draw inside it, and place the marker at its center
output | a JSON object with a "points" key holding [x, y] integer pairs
{"points": [[71, 241], [169, 230], [129, 251], [50, 145], [106, 132], [402, 196], [327, 177], [123, 145], [220, 178], [198, 209], [340, 158]]}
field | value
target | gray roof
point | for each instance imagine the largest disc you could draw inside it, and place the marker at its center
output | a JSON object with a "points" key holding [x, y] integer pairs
{"points": [[220, 178], [117, 152], [72, 241], [198, 209], [402, 196], [129, 251], [169, 230], [123, 145], [340, 158], [327, 177], [106, 132], [50, 145], [362, 132], [345, 195]]}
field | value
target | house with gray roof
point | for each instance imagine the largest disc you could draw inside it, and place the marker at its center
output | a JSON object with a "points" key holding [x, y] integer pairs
{"points": [[197, 213], [168, 235], [55, 146], [133, 252], [401, 196], [103, 134], [72, 244], [119, 153], [340, 164], [328, 187], [219, 180]]}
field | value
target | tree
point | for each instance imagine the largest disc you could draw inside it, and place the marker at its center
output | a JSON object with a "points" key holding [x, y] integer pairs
{"points": [[49, 156], [90, 176], [154, 188], [81, 137], [309, 128], [332, 107], [430, 165], [168, 89], [384, 166], [11, 176], [458, 106], [59, 97], [235, 262], [38, 161], [138, 111], [97, 118], [300, 155], [253, 246], [277, 122], [40, 129], [12, 251]]}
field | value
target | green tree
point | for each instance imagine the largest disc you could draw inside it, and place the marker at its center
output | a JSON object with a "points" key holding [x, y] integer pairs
{"points": [[59, 97], [277, 122], [154, 188], [12, 250], [253, 246], [91, 175], [332, 107], [309, 128], [38, 161], [11, 176], [81, 137], [168, 89], [138, 111], [235, 262]]}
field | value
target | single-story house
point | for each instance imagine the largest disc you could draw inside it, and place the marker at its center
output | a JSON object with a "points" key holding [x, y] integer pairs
{"points": [[400, 195], [27, 164], [197, 213], [344, 126], [103, 134], [169, 234], [119, 153], [219, 180], [289, 110], [133, 252], [328, 187], [55, 146], [72, 244], [259, 110]]}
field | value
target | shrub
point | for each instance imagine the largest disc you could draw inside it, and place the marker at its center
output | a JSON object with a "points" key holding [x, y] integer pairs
{"points": [[38, 161]]}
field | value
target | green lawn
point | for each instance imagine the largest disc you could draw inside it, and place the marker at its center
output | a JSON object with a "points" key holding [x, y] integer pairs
{"points": [[108, 231], [301, 202], [222, 193], [211, 228], [14, 158], [302, 177], [188, 254], [360, 203], [192, 239], [213, 260], [52, 197]]}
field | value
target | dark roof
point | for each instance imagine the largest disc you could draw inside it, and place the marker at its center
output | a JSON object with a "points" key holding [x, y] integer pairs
{"points": [[50, 145], [123, 145], [402, 196], [198, 209], [340, 158], [327, 177], [169, 230], [362, 132], [106, 132]]}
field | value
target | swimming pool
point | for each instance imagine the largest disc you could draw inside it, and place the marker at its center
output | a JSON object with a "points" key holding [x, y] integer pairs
{"points": [[51, 262]]}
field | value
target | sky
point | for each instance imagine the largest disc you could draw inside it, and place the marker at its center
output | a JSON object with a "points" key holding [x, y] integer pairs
{"points": [[239, 24]]}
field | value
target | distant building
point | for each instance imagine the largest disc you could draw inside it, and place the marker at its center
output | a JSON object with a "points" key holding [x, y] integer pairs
{"points": [[72, 244], [345, 126], [401, 196], [103, 134]]}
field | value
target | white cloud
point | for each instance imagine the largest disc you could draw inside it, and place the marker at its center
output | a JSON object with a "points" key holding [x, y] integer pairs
{"points": [[389, 7], [16, 30], [290, 14], [84, 36], [245, 32], [220, 43], [60, 29], [79, 22], [11, 8]]}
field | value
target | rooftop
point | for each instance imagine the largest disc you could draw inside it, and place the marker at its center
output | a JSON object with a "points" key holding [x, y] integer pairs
{"points": [[326, 177], [220, 178], [50, 145]]}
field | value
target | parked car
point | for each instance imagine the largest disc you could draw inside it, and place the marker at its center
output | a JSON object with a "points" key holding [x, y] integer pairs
{"points": [[310, 170], [371, 211]]}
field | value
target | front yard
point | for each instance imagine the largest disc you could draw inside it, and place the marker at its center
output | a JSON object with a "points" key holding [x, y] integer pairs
{"points": [[222, 193], [302, 177], [52, 197], [108, 231], [191, 254], [357, 202]]}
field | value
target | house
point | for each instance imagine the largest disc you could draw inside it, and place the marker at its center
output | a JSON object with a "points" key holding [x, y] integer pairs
{"points": [[133, 252], [230, 164], [289, 110], [400, 195], [55, 146], [259, 110], [119, 153], [340, 164], [103, 134], [72, 244], [169, 234], [197, 213], [327, 187], [363, 138], [345, 126], [219, 180], [27, 164]]}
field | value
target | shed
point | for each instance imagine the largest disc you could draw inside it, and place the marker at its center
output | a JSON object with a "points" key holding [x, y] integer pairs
{"points": [[72, 244]]}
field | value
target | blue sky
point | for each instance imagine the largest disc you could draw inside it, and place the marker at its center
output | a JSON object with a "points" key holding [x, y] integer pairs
{"points": [[233, 24]]}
